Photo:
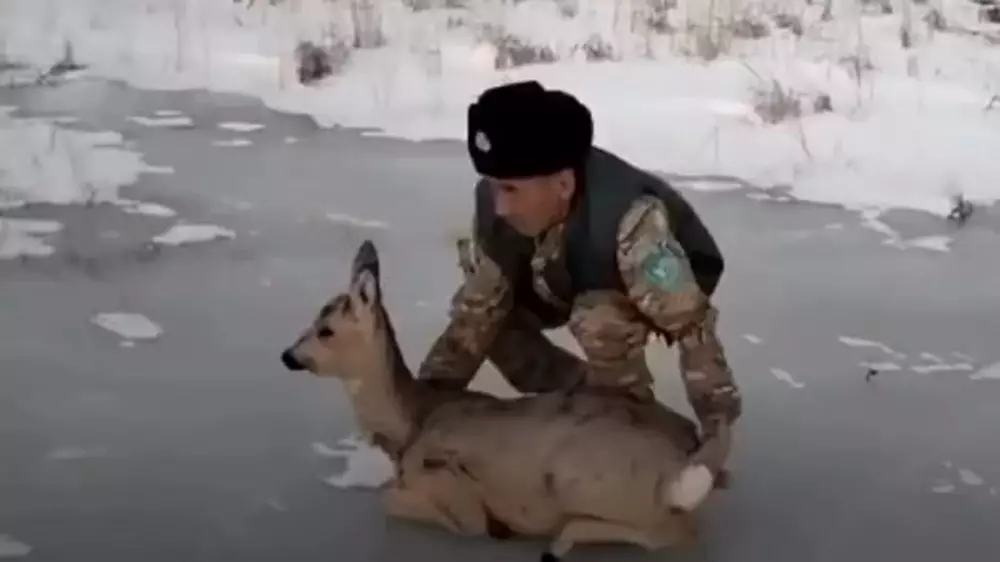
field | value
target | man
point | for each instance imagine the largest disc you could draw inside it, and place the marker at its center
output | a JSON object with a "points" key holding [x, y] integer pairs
{"points": [[566, 234]]}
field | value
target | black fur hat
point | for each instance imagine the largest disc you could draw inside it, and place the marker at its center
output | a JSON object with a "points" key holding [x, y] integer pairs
{"points": [[521, 129]]}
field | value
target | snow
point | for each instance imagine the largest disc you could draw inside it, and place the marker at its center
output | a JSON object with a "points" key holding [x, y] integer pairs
{"points": [[786, 377], [343, 218], [240, 127], [970, 478], [169, 121], [128, 325], [145, 208], [365, 466], [13, 548], [852, 341], [909, 132], [76, 452], [26, 237], [232, 143], [183, 234], [991, 372]]}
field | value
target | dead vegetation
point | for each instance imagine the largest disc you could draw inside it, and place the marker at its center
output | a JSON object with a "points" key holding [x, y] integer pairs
{"points": [[314, 63], [477, 464]]}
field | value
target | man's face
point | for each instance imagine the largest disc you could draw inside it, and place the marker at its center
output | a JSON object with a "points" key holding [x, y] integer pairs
{"points": [[532, 205]]}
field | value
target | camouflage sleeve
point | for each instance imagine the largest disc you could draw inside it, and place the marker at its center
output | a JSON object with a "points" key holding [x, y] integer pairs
{"points": [[478, 308], [660, 282]]}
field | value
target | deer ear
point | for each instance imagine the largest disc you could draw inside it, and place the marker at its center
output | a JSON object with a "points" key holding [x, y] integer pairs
{"points": [[366, 287], [365, 260]]}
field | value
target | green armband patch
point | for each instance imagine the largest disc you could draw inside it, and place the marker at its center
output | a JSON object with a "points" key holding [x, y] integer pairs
{"points": [[662, 268]]}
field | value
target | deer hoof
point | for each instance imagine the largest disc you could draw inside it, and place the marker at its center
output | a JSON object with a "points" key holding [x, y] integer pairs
{"points": [[549, 557]]}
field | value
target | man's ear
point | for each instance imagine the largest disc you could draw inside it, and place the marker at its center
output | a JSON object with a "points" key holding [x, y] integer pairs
{"points": [[566, 183]]}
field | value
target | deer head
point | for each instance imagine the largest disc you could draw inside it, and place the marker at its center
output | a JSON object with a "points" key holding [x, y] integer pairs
{"points": [[341, 340]]}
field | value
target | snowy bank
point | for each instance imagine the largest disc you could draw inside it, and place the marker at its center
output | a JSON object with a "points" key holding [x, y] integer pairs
{"points": [[896, 127]]}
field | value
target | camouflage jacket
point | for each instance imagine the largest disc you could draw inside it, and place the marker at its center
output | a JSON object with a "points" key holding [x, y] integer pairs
{"points": [[660, 296]]}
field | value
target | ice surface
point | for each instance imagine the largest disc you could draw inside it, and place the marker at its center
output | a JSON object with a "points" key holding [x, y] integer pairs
{"points": [[76, 452]]}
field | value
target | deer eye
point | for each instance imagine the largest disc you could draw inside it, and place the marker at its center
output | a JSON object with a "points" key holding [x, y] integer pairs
{"points": [[324, 332]]}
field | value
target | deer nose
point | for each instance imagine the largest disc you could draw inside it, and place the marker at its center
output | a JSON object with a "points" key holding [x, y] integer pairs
{"points": [[290, 362]]}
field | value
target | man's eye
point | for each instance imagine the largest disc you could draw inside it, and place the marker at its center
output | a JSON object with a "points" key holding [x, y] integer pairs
{"points": [[324, 332]]}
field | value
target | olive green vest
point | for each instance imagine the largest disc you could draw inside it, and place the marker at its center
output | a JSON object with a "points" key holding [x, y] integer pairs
{"points": [[607, 186]]}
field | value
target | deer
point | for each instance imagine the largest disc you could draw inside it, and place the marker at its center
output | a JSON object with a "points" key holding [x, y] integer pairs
{"points": [[574, 466]]}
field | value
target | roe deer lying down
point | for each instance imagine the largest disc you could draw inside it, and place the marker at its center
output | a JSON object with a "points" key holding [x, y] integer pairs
{"points": [[578, 465]]}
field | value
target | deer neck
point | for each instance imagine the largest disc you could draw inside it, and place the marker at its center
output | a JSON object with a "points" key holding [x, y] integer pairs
{"points": [[384, 395]]}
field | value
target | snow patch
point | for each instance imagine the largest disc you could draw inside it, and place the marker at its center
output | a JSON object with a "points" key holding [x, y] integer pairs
{"points": [[13, 548], [941, 367], [933, 243], [183, 234], [174, 121], [232, 143], [870, 220], [366, 466], [862, 343], [970, 478], [883, 366], [786, 377], [753, 339], [943, 488], [991, 372], [72, 453], [129, 325], [167, 113], [240, 127], [291, 140], [145, 208], [26, 237], [355, 221]]}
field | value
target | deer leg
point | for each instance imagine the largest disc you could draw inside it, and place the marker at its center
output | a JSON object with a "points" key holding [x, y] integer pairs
{"points": [[430, 499], [586, 530]]}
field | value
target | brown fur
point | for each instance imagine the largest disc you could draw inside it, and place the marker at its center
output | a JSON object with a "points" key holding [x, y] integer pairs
{"points": [[580, 465]]}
